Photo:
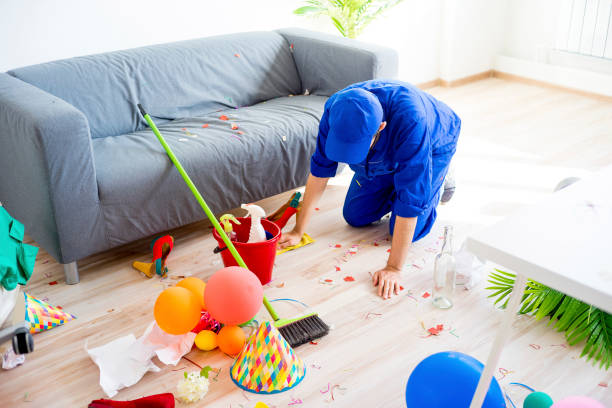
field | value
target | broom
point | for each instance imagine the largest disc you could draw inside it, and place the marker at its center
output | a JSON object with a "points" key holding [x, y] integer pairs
{"points": [[296, 331]]}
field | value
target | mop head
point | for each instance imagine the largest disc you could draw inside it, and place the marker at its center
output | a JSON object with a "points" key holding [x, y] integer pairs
{"points": [[267, 364]]}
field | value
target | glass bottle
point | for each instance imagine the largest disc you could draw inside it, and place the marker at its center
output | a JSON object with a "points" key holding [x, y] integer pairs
{"points": [[445, 273]]}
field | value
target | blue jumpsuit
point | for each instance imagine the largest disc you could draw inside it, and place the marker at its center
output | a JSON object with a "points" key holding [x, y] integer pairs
{"points": [[405, 169]]}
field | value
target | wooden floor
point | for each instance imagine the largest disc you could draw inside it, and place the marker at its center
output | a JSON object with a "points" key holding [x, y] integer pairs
{"points": [[517, 142]]}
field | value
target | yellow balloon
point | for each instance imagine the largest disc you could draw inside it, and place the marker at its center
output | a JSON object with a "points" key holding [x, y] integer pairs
{"points": [[206, 340]]}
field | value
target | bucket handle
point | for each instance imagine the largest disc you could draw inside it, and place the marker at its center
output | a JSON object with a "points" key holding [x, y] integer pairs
{"points": [[217, 249]]}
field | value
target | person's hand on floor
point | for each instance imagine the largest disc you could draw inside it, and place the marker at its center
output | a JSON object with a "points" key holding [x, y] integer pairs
{"points": [[288, 239], [387, 280]]}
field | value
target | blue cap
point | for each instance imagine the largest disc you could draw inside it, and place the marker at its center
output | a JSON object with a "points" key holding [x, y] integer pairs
{"points": [[354, 119]]}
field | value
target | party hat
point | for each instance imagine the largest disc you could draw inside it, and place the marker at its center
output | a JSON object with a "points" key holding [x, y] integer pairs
{"points": [[42, 316], [267, 364]]}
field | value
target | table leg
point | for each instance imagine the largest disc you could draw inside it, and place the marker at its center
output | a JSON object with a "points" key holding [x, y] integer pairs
{"points": [[502, 335]]}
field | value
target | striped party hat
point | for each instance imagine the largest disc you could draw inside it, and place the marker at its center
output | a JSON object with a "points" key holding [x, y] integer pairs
{"points": [[267, 364], [42, 316]]}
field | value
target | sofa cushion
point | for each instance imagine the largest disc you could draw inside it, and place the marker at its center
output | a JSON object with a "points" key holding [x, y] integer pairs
{"points": [[141, 193], [176, 80]]}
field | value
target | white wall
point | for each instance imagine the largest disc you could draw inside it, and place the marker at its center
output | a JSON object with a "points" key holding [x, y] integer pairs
{"points": [[412, 28], [35, 31], [472, 36], [530, 28]]}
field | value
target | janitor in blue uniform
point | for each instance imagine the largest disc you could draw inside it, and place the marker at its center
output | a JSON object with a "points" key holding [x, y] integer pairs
{"points": [[399, 141]]}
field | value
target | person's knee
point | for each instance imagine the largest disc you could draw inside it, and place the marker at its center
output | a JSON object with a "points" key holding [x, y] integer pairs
{"points": [[353, 218]]}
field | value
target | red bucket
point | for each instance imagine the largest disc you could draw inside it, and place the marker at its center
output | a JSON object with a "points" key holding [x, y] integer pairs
{"points": [[259, 256]]}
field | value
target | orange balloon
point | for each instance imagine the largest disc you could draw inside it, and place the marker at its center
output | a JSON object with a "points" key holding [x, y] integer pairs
{"points": [[233, 295], [177, 310], [196, 286], [231, 339]]}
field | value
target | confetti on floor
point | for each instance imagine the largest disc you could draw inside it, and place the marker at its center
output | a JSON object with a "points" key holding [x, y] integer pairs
{"points": [[314, 343], [337, 269], [535, 346], [349, 279], [389, 250], [237, 55], [504, 372], [205, 125], [426, 295], [338, 246], [281, 285], [53, 283], [234, 126], [223, 117], [435, 331], [240, 132]]}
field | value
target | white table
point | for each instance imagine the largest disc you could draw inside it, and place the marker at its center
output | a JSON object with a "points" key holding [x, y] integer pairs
{"points": [[564, 242]]}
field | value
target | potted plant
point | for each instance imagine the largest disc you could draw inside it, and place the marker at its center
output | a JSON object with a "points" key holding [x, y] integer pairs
{"points": [[579, 320], [350, 17]]}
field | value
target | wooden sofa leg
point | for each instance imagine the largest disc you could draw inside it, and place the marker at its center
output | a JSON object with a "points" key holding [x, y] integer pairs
{"points": [[71, 272]]}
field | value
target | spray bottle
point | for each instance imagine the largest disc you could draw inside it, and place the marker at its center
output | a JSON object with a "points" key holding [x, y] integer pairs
{"points": [[226, 221], [257, 233]]}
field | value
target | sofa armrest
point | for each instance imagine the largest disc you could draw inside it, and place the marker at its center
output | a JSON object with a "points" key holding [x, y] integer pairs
{"points": [[328, 63], [48, 177]]}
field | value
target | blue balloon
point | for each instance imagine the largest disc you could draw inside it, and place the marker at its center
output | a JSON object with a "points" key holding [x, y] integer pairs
{"points": [[449, 379]]}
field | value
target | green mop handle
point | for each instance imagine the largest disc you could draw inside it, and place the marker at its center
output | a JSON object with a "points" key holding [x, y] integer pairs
{"points": [[203, 204]]}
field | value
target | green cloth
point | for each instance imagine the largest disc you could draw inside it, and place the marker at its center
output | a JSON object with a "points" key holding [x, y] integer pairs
{"points": [[16, 258]]}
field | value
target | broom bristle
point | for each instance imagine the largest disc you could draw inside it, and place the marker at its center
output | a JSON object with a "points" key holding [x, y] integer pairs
{"points": [[304, 330]]}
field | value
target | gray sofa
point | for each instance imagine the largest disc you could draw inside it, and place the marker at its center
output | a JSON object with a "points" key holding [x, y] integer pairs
{"points": [[82, 171]]}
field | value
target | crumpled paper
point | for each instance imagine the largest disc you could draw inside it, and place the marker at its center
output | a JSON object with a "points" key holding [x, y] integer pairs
{"points": [[468, 268], [117, 369], [124, 361], [169, 348], [11, 360]]}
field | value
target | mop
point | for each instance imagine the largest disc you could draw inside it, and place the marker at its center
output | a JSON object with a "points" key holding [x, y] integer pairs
{"points": [[296, 331]]}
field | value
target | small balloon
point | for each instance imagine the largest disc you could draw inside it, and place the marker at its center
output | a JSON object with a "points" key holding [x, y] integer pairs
{"points": [[233, 295], [537, 400], [449, 379], [231, 339], [196, 286], [206, 340], [177, 310]]}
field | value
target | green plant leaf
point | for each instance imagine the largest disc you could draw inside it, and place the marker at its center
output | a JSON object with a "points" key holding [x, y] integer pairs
{"points": [[204, 371], [307, 10], [579, 321], [350, 17], [339, 26]]}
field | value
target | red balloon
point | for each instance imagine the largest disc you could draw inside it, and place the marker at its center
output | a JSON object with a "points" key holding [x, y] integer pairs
{"points": [[233, 295]]}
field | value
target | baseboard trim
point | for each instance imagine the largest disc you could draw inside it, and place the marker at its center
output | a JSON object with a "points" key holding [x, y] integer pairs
{"points": [[579, 81], [466, 80], [494, 73], [537, 82], [429, 84]]}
